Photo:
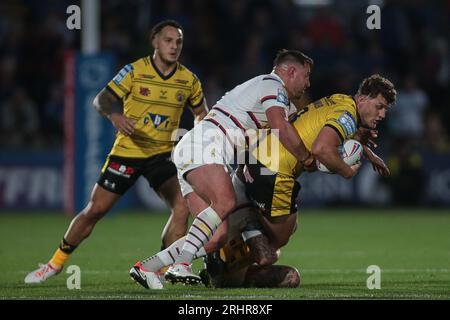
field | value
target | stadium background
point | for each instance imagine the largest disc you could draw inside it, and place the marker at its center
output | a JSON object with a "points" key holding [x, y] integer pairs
{"points": [[354, 223], [227, 42]]}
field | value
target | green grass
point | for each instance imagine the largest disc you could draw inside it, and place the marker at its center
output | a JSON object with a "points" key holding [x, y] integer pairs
{"points": [[332, 250]]}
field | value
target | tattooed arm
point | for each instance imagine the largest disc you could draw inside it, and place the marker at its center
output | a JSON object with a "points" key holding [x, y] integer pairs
{"points": [[272, 277], [109, 106]]}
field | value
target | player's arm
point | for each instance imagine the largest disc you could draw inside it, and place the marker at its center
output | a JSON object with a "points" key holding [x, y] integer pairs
{"points": [[199, 112], [378, 164], [366, 136], [288, 136], [325, 149], [109, 106]]}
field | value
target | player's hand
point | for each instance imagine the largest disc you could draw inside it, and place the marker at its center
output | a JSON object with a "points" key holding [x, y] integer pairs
{"points": [[122, 123], [355, 168], [310, 164], [367, 136], [378, 164]]}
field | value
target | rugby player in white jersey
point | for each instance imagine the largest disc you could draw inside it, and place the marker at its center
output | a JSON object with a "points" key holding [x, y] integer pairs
{"points": [[204, 153]]}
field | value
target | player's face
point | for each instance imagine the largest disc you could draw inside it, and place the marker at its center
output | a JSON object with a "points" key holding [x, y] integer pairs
{"points": [[372, 110], [300, 80], [168, 44]]}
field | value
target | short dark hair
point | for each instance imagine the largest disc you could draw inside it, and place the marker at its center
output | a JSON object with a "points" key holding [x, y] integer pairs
{"points": [[159, 26], [285, 55], [376, 84]]}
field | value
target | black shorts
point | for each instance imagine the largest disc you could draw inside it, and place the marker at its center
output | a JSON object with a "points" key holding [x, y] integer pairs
{"points": [[120, 173], [274, 194]]}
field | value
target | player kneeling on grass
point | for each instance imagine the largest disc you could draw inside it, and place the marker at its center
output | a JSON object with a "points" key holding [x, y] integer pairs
{"points": [[247, 259]]}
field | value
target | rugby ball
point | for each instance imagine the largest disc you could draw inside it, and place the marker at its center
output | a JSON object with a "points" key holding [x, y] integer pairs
{"points": [[350, 151]]}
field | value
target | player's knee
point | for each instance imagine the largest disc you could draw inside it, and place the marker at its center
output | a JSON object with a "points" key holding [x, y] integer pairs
{"points": [[180, 212], [95, 210]]}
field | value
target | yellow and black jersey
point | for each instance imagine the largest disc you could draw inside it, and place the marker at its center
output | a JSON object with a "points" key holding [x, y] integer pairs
{"points": [[155, 102], [337, 112]]}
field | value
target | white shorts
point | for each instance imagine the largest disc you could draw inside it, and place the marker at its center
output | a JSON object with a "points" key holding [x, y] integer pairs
{"points": [[205, 144]]}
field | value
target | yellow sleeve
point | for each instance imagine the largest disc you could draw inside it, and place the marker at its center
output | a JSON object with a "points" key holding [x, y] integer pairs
{"points": [[196, 97], [343, 122], [121, 84]]}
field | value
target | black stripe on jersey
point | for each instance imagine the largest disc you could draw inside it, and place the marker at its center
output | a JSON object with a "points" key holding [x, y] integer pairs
{"points": [[198, 104], [110, 90], [195, 80], [255, 120], [154, 102], [268, 98], [236, 121], [270, 78], [163, 84], [337, 131], [122, 88]]}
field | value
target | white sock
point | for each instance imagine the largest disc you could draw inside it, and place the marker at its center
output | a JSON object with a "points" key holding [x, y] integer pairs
{"points": [[201, 231], [167, 256]]}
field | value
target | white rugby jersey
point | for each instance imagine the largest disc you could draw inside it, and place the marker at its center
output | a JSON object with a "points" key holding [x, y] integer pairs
{"points": [[245, 106]]}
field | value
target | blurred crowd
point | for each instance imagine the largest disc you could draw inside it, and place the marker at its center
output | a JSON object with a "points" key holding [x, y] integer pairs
{"points": [[229, 41]]}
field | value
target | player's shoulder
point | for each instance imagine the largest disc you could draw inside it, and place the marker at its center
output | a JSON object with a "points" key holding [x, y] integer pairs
{"points": [[270, 79], [185, 73], [140, 63], [343, 101]]}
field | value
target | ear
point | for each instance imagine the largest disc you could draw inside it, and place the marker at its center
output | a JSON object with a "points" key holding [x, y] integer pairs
{"points": [[292, 71], [361, 98], [153, 42]]}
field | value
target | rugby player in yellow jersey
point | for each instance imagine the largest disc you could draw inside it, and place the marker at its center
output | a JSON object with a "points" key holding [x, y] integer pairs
{"points": [[271, 184], [144, 102]]}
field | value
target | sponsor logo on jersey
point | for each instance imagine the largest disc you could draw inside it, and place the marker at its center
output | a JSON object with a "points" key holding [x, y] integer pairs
{"points": [[163, 94], [180, 95], [348, 123], [157, 119], [144, 91], [122, 73], [282, 97]]}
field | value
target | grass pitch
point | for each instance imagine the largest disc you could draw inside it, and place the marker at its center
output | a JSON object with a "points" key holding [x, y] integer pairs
{"points": [[332, 251]]}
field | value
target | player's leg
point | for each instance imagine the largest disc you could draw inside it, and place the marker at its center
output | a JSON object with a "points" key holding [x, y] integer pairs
{"points": [[109, 188], [177, 223], [161, 175], [211, 183], [249, 218], [279, 229], [276, 196], [148, 272], [209, 179], [79, 229]]}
